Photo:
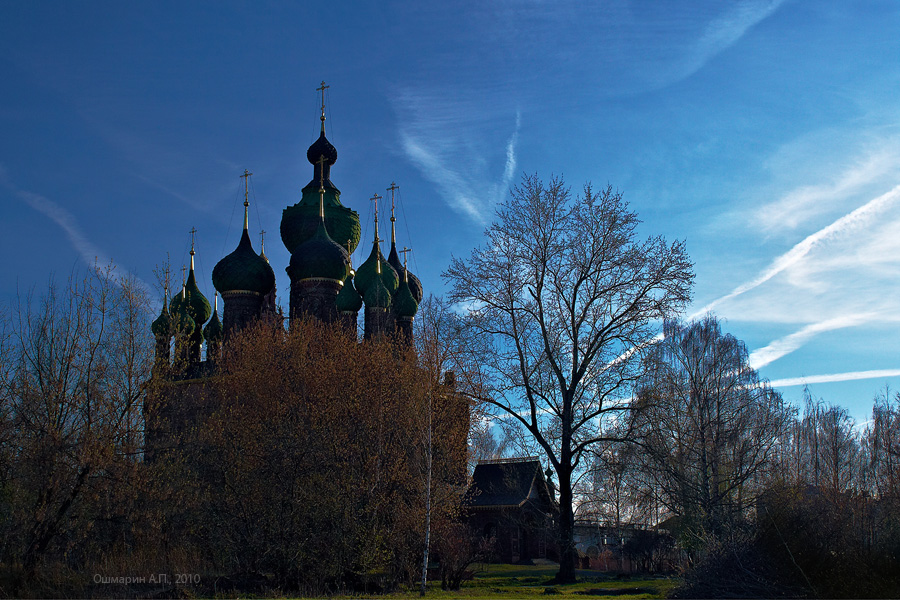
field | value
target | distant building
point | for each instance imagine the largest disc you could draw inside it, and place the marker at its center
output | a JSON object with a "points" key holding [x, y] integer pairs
{"points": [[510, 502]]}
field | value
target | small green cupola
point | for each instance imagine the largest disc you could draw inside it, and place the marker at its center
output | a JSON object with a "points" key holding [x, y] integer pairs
{"points": [[214, 332], [182, 322], [244, 269], [348, 299], [190, 300], [375, 266], [162, 325], [320, 257], [415, 286], [377, 294], [405, 304]]}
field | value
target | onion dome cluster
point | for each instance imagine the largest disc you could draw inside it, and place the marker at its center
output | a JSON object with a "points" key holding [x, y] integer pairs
{"points": [[244, 270]]}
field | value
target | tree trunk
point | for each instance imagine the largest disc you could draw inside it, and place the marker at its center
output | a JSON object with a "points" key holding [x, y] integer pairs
{"points": [[567, 553], [429, 455]]}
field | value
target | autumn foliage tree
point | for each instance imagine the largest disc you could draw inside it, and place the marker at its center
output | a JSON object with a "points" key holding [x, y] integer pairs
{"points": [[313, 459]]}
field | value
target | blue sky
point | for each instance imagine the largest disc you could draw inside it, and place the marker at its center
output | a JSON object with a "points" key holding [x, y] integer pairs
{"points": [[765, 133]]}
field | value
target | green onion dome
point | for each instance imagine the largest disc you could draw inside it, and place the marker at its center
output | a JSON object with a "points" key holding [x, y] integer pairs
{"points": [[348, 299], [415, 286], [162, 326], [319, 257], [191, 302], [182, 321], [197, 304], [213, 332], [405, 304], [377, 295], [319, 149], [176, 304], [299, 222], [366, 274], [244, 270]]}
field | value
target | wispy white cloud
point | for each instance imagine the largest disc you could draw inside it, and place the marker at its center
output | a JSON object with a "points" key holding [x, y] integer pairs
{"points": [[784, 346], [440, 144], [89, 252], [835, 377], [723, 32]]}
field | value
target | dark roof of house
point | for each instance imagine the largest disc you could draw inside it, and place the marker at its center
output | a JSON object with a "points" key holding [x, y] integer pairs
{"points": [[507, 483]]}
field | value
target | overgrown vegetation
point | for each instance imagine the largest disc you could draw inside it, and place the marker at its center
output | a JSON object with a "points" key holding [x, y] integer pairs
{"points": [[300, 466]]}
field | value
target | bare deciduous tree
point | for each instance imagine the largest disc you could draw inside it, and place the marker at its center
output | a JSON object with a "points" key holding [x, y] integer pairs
{"points": [[559, 298], [74, 371], [710, 425]]}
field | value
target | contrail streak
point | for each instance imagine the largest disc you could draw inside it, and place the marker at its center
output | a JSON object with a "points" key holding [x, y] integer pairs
{"points": [[833, 377], [848, 222]]}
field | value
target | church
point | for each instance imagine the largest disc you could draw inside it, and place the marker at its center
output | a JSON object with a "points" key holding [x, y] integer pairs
{"points": [[321, 234]]}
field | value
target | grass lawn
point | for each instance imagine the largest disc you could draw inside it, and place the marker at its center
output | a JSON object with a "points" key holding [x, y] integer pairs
{"points": [[519, 581]]}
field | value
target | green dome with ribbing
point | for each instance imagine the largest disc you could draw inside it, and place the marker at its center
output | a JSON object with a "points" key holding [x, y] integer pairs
{"points": [[319, 257], [405, 304], [299, 222], [162, 326], [213, 332], [348, 299], [377, 294], [244, 270], [367, 273]]}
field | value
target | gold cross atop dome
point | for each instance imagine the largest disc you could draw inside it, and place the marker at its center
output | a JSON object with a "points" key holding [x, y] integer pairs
{"points": [[246, 178], [375, 198], [322, 89], [404, 252], [391, 189]]}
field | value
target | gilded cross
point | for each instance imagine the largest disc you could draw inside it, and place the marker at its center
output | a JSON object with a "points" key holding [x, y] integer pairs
{"points": [[322, 89], [246, 178], [375, 198]]}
